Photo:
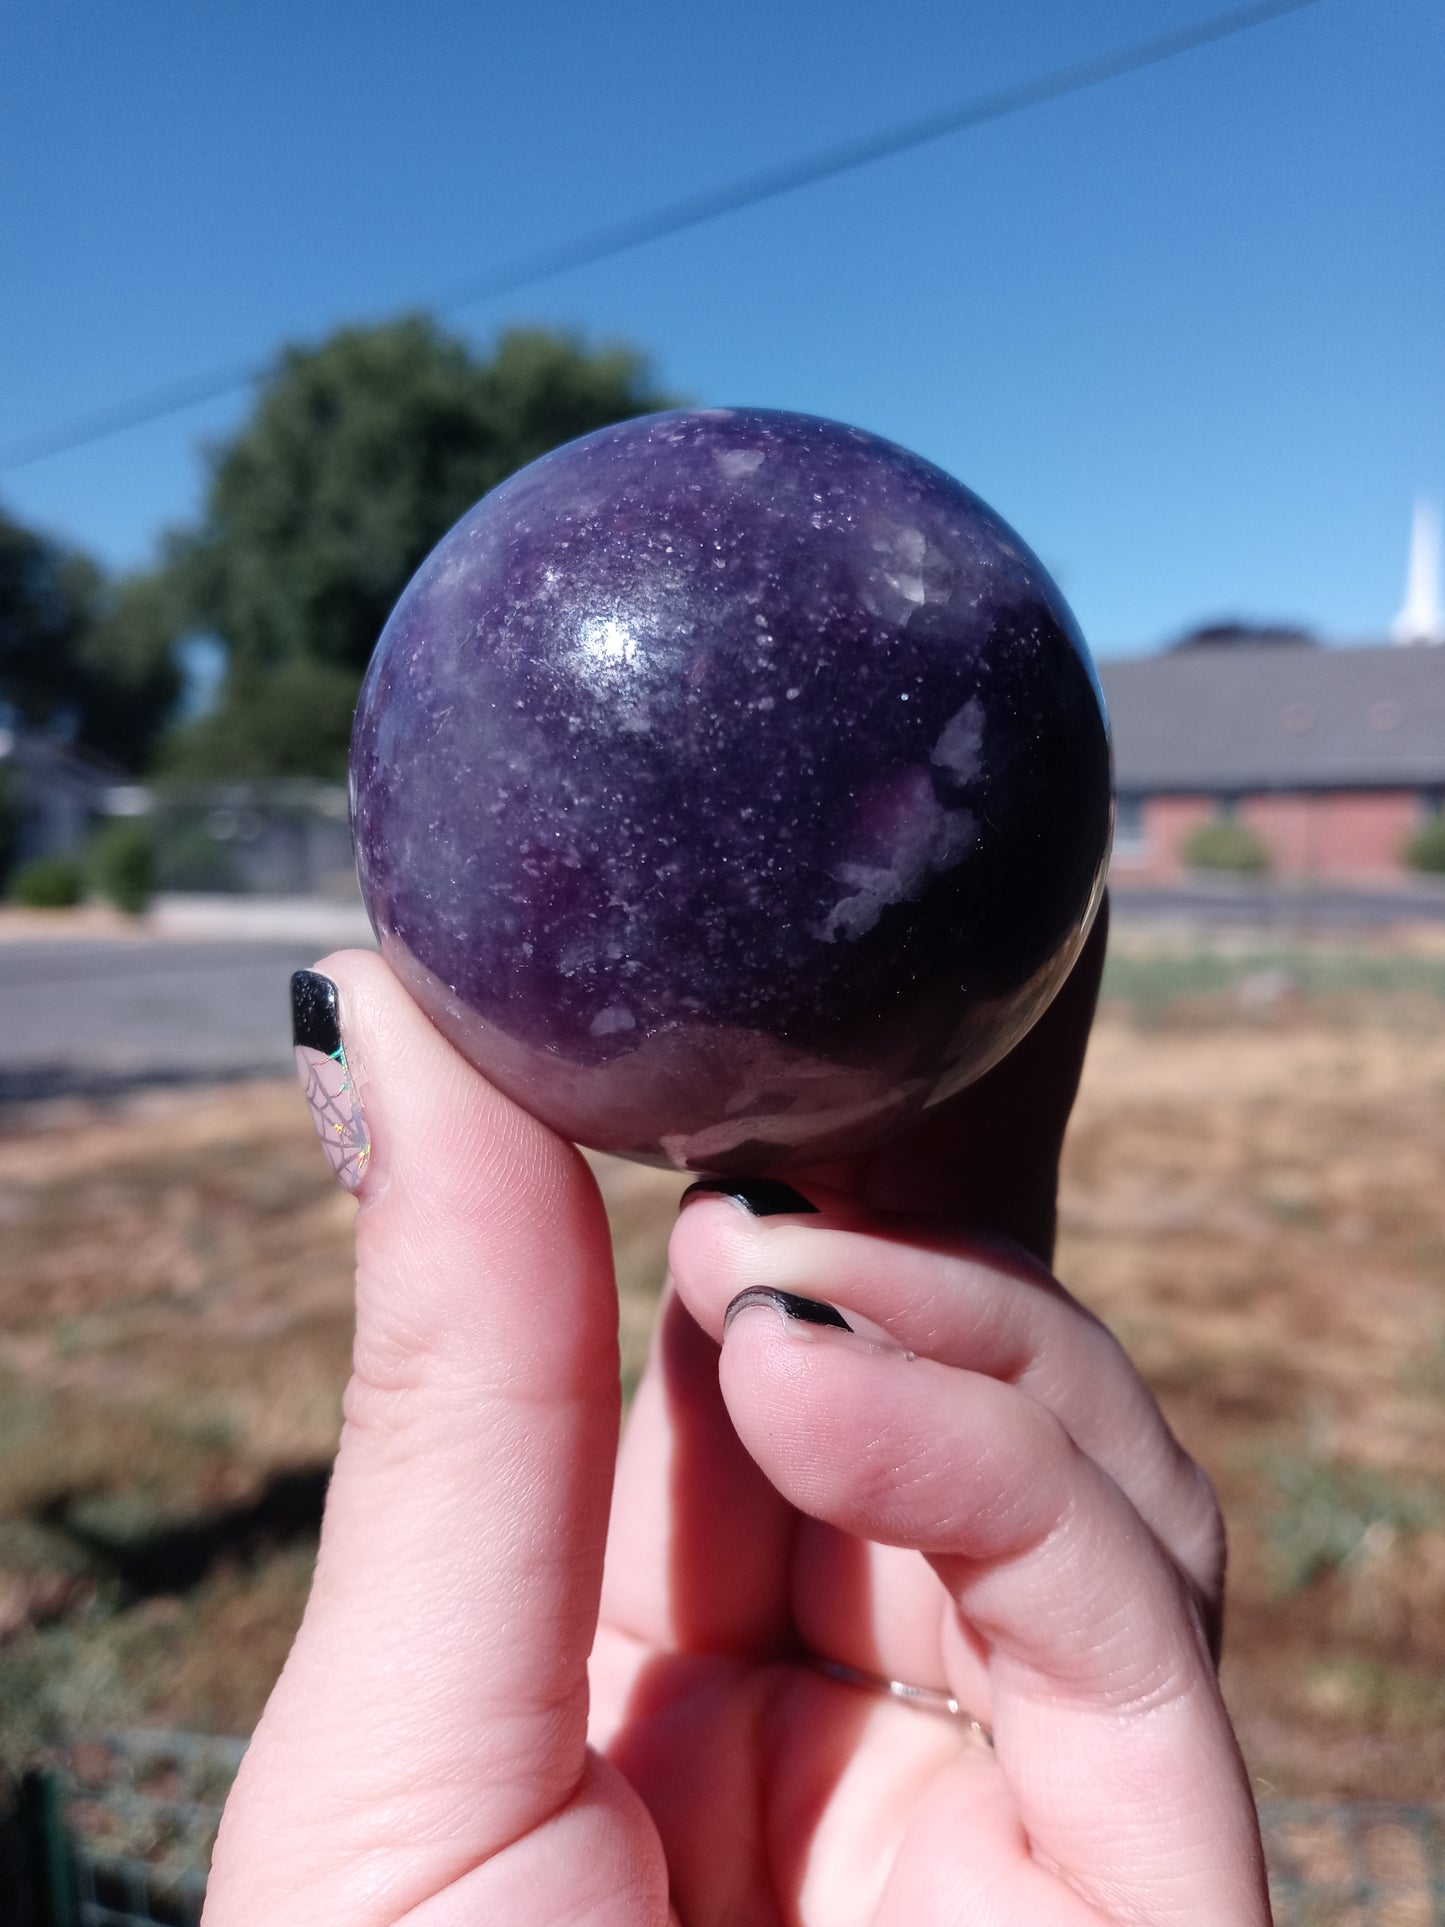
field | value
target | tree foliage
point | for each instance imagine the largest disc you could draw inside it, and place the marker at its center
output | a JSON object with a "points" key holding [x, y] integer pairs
{"points": [[291, 720], [1235, 632], [129, 667], [357, 458], [82, 658], [47, 600]]}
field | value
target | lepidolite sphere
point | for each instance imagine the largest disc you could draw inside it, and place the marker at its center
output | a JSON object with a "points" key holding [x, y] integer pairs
{"points": [[730, 785]]}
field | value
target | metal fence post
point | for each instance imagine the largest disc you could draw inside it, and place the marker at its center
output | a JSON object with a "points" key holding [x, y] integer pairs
{"points": [[46, 1846]]}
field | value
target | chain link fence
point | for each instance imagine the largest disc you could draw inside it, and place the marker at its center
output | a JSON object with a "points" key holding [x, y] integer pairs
{"points": [[116, 1832], [287, 838], [119, 1831], [1371, 1864]]}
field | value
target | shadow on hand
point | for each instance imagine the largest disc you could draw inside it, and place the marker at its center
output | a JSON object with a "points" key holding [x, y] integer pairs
{"points": [[733, 1727], [990, 1156]]}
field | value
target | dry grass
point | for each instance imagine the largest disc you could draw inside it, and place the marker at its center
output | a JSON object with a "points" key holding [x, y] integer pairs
{"points": [[1252, 1197], [1258, 1212]]}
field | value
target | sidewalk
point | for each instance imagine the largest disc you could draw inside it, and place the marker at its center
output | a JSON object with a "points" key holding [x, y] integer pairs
{"points": [[317, 923]]}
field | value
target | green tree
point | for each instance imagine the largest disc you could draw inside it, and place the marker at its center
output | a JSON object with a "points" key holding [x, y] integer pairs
{"points": [[358, 456], [292, 720], [81, 657], [129, 669], [48, 598]]}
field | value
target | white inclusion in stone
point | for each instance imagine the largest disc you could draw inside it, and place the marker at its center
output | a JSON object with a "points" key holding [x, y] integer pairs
{"points": [[616, 1017], [959, 750], [912, 548], [927, 840], [899, 586], [736, 463]]}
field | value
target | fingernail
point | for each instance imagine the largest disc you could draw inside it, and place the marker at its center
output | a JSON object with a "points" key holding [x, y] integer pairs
{"points": [[325, 1078], [759, 1197], [807, 1311]]}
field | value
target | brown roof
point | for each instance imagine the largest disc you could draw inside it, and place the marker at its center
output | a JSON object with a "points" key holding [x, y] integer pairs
{"points": [[1272, 717]]}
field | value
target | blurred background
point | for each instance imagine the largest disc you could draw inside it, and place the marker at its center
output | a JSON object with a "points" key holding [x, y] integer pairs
{"points": [[281, 294]]}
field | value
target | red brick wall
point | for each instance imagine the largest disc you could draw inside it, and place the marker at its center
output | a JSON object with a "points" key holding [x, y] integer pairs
{"points": [[1346, 836], [1349, 837], [1154, 858]]}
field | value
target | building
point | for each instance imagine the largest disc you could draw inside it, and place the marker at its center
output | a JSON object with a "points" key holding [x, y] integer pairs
{"points": [[51, 796], [1333, 757]]}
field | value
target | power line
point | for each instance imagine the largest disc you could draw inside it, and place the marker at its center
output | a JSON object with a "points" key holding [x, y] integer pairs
{"points": [[693, 210]]}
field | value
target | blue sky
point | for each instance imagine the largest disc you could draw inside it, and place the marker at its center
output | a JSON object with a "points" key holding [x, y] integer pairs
{"points": [[1186, 330]]}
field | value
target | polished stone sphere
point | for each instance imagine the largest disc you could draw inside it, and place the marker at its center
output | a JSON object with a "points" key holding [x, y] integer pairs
{"points": [[730, 785]]}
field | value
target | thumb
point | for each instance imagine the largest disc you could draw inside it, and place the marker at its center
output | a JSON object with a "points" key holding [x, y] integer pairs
{"points": [[434, 1707]]}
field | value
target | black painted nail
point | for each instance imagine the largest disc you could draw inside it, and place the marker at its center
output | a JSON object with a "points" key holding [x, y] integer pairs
{"points": [[759, 1197], [315, 1021], [808, 1311], [326, 1078]]}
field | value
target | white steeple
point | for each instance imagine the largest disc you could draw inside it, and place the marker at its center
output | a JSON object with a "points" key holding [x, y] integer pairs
{"points": [[1421, 619]]}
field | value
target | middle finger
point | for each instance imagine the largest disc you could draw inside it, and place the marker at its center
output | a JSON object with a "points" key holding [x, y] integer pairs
{"points": [[979, 1305]]}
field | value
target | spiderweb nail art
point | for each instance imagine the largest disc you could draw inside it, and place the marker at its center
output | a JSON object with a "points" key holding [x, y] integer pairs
{"points": [[336, 1113]]}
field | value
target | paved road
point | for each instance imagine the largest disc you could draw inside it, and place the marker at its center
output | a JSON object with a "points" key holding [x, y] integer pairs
{"points": [[1270, 908], [96, 1018]]}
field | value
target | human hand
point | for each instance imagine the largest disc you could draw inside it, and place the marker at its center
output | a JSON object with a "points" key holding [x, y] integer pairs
{"points": [[1002, 1516]]}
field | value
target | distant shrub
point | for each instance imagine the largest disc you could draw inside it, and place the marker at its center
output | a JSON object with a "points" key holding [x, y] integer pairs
{"points": [[1225, 845], [120, 861], [1426, 848], [48, 883]]}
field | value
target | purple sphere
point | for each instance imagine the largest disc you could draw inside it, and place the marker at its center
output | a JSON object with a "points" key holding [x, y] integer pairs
{"points": [[730, 785]]}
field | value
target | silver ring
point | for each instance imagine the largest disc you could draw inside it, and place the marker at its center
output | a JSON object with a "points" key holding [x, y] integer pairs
{"points": [[927, 1699]]}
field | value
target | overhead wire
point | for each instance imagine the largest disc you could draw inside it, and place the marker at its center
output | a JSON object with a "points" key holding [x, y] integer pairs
{"points": [[693, 210]]}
